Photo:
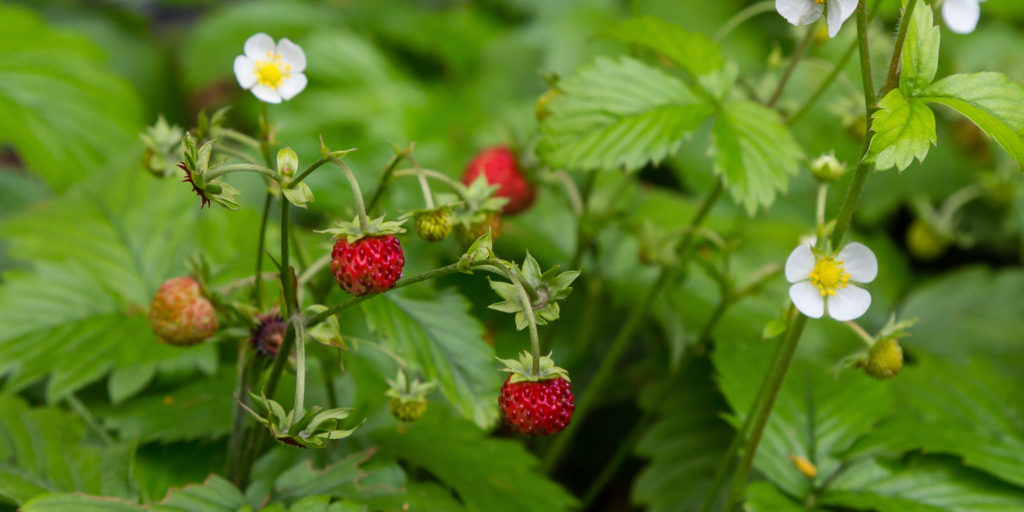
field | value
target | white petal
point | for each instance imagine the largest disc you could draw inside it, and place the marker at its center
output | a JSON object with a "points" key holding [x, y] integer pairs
{"points": [[266, 94], [961, 15], [292, 55], [799, 12], [807, 298], [245, 71], [257, 46], [800, 263], [859, 262], [838, 12], [291, 86], [848, 303]]}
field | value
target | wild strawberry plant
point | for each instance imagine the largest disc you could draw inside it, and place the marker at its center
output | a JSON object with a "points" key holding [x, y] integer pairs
{"points": [[365, 258]]}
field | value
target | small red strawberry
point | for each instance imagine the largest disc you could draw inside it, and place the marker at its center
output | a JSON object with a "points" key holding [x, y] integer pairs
{"points": [[368, 265], [499, 166], [180, 314], [536, 404]]}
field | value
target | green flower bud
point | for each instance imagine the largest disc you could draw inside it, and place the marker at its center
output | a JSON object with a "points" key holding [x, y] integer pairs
{"points": [[885, 359], [826, 168]]}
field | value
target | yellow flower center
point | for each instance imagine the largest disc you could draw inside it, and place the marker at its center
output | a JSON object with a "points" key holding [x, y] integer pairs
{"points": [[819, 2], [272, 71], [829, 275]]}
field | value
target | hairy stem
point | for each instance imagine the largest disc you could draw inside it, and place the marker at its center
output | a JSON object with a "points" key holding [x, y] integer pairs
{"points": [[357, 194], [261, 240], [530, 318], [893, 78], [742, 16], [244, 167]]}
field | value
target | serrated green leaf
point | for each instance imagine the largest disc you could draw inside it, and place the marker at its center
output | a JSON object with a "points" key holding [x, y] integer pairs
{"points": [[206, 403], [920, 56], [990, 100], [61, 107], [754, 152], [979, 410], [903, 128], [440, 337], [214, 495], [684, 446], [692, 51], [815, 416], [618, 114], [78, 503], [340, 479], [48, 450], [511, 482], [924, 484]]}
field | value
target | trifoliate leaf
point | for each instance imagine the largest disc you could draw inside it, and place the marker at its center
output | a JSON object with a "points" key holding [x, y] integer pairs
{"points": [[618, 114], [903, 128], [754, 152], [990, 100], [920, 56], [692, 51]]}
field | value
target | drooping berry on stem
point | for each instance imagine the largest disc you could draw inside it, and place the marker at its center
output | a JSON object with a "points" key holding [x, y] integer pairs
{"points": [[180, 314], [500, 167]]}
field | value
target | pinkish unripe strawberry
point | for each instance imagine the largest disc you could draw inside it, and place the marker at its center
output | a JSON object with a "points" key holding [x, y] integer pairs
{"points": [[180, 314]]}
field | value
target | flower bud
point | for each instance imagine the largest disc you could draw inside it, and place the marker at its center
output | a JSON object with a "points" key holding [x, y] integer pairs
{"points": [[924, 242], [826, 168]]}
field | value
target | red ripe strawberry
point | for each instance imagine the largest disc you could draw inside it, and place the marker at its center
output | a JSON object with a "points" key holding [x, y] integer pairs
{"points": [[498, 164], [536, 404], [180, 314], [536, 408], [368, 265]]}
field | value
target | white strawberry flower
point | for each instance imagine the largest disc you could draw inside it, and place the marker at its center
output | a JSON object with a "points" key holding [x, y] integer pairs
{"points": [[961, 15], [805, 12], [273, 72], [823, 282]]}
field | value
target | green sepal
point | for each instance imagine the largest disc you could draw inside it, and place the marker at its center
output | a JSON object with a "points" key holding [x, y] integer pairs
{"points": [[409, 390], [894, 329], [299, 195], [480, 250], [522, 369], [327, 154], [160, 141], [376, 227], [480, 200], [327, 332], [550, 287], [312, 428], [208, 125], [223, 194]]}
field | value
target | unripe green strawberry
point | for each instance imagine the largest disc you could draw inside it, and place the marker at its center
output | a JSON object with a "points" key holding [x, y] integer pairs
{"points": [[885, 359], [924, 243], [433, 225], [407, 411], [180, 314], [487, 221]]}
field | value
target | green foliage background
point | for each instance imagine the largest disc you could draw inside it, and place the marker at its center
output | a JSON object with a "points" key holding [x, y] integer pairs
{"points": [[88, 236]]}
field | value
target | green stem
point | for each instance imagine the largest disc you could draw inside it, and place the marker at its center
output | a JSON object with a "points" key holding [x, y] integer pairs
{"points": [[582, 240], [240, 137], [90, 420], [260, 249], [242, 155], [405, 281], [357, 193], [893, 78], [742, 16], [798, 53], [300, 369], [230, 168], [309, 170], [611, 358], [571, 191], [759, 418], [530, 318], [386, 177], [861, 333], [865, 59], [264, 145], [238, 415], [428, 197], [456, 187], [819, 215]]}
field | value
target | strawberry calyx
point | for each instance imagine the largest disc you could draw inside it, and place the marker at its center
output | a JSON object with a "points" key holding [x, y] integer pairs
{"points": [[407, 390], [353, 231], [521, 370]]}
